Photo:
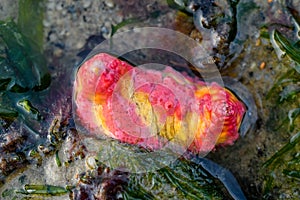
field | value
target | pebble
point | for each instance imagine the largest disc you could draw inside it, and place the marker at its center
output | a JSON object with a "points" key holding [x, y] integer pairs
{"points": [[58, 52], [71, 9], [91, 162], [104, 30], [79, 44], [87, 3], [59, 6], [51, 5], [74, 21], [109, 3], [53, 37], [46, 23]]}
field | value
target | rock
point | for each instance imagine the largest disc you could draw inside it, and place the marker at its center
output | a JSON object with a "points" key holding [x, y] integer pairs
{"points": [[58, 52], [87, 3], [51, 5], [59, 6], [53, 37], [109, 3]]}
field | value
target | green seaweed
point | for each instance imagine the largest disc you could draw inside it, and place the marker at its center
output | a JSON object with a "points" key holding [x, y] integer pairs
{"points": [[294, 140], [16, 56], [30, 21], [268, 185], [292, 173], [182, 178], [4, 83], [287, 85], [8, 192], [291, 50], [115, 28], [57, 159], [23, 67], [293, 115], [278, 165], [29, 110], [292, 168], [32, 191], [43, 190], [290, 77], [133, 20], [21, 50], [22, 62], [289, 92], [8, 113]]}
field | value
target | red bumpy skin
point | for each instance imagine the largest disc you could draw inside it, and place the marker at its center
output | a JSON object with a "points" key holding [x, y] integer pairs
{"points": [[153, 108]]}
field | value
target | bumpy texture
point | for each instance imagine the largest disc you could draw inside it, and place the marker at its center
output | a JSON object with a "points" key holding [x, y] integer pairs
{"points": [[154, 108]]}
